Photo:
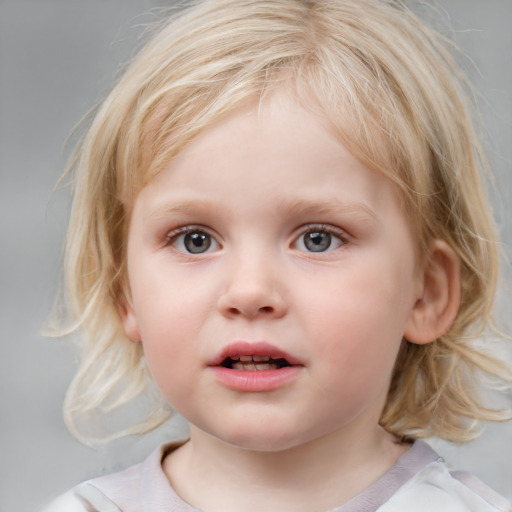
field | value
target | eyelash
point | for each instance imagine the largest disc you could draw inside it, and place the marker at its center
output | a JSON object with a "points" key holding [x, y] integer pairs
{"points": [[174, 237], [323, 228]]}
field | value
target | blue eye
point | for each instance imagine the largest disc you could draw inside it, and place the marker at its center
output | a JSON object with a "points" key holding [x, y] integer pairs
{"points": [[193, 241], [318, 240]]}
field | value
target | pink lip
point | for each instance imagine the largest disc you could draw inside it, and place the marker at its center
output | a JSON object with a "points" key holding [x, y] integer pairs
{"points": [[255, 380], [244, 348]]}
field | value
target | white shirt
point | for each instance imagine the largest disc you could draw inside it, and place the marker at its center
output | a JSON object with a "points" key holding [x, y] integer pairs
{"points": [[420, 481]]}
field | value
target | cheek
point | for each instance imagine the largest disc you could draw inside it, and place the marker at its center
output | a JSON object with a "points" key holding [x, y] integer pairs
{"points": [[169, 302], [166, 338], [358, 321], [170, 356], [173, 317]]}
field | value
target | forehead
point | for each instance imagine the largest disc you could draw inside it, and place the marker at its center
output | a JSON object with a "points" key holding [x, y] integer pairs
{"points": [[273, 152]]}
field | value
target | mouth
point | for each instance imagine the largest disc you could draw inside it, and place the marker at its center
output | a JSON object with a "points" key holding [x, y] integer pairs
{"points": [[250, 356], [255, 367], [254, 363]]}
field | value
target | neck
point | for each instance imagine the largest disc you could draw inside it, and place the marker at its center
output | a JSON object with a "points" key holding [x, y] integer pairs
{"points": [[318, 475]]}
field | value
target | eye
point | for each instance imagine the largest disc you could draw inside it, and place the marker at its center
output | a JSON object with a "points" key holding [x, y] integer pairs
{"points": [[192, 241], [319, 240]]}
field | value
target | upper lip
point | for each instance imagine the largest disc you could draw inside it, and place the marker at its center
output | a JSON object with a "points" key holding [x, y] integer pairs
{"points": [[245, 348]]}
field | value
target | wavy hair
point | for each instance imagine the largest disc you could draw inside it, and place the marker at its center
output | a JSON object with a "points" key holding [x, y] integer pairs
{"points": [[390, 88]]}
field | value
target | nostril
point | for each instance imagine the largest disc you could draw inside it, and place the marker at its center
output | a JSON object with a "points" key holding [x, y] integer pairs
{"points": [[235, 303], [263, 309]]}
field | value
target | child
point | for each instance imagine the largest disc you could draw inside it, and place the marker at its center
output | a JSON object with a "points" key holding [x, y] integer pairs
{"points": [[278, 216]]}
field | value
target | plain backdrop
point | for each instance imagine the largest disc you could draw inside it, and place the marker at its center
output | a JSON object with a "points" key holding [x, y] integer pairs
{"points": [[57, 60]]}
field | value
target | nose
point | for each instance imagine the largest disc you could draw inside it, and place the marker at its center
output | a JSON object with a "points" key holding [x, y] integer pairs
{"points": [[253, 290]]}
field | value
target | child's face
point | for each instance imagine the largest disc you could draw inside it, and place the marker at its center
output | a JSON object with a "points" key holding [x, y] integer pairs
{"points": [[265, 237]]}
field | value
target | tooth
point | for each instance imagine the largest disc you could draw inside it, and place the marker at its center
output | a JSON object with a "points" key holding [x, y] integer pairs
{"points": [[238, 365], [266, 366], [245, 358], [260, 358]]}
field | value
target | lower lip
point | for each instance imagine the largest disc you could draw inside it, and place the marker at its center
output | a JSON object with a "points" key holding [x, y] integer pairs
{"points": [[255, 380]]}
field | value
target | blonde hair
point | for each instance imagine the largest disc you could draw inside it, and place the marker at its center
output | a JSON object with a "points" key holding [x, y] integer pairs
{"points": [[392, 91]]}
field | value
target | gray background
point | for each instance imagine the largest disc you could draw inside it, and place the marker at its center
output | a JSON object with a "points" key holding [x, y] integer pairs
{"points": [[57, 59]]}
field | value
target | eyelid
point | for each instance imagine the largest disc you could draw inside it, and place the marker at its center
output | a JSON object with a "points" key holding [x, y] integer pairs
{"points": [[334, 231], [328, 228], [172, 236], [188, 228]]}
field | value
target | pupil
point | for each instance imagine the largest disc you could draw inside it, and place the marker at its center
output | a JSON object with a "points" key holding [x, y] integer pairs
{"points": [[197, 242], [317, 241]]}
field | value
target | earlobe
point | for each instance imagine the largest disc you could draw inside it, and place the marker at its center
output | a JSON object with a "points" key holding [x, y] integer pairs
{"points": [[129, 322], [434, 312]]}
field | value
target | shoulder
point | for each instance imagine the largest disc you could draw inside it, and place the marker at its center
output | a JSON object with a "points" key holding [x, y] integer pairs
{"points": [[82, 498], [143, 486], [435, 487]]}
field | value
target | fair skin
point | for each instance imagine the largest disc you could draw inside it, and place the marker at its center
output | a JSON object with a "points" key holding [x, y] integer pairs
{"points": [[265, 242]]}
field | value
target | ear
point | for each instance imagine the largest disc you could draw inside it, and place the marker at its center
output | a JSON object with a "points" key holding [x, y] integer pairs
{"points": [[129, 321], [435, 310]]}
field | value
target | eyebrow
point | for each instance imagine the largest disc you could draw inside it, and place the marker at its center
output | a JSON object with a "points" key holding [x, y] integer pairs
{"points": [[326, 207], [286, 206], [184, 207]]}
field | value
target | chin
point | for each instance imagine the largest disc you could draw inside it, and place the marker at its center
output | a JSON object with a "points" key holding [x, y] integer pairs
{"points": [[264, 439]]}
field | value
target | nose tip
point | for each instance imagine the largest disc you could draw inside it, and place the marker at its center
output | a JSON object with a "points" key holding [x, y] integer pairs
{"points": [[251, 311], [252, 298]]}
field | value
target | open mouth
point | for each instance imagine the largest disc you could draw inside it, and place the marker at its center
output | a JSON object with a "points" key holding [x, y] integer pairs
{"points": [[254, 363], [255, 367]]}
